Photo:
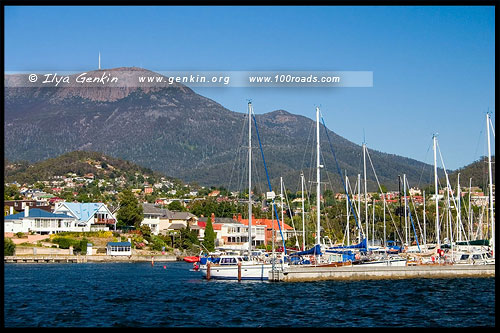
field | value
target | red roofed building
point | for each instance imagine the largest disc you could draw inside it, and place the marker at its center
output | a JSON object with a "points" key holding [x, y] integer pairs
{"points": [[268, 224], [231, 234]]}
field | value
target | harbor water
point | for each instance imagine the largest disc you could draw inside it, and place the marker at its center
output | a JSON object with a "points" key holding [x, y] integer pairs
{"points": [[171, 295]]}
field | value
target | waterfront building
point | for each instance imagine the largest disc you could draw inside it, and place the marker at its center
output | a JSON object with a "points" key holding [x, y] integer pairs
{"points": [[270, 225], [40, 221], [119, 249], [160, 220], [231, 234], [91, 216], [155, 218], [18, 205]]}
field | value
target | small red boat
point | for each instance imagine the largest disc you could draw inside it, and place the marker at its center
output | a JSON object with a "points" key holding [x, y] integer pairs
{"points": [[192, 259]]}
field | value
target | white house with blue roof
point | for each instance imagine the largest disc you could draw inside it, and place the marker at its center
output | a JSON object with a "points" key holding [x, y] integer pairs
{"points": [[39, 221], [119, 249], [90, 216]]}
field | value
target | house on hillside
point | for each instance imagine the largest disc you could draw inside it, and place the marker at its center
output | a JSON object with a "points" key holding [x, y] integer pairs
{"points": [[183, 218], [231, 234], [19, 205], [155, 218], [161, 220], [286, 230], [40, 221], [91, 216]]}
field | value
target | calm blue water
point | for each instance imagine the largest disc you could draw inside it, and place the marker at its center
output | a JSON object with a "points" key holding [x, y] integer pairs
{"points": [[137, 294]]}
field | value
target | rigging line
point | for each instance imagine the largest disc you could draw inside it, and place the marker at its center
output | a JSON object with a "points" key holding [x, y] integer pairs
{"points": [[448, 187], [492, 128], [307, 146], [423, 166], [355, 188], [238, 150], [414, 231], [415, 209], [480, 223], [383, 195], [466, 208], [340, 173], [459, 214], [478, 141], [243, 172], [290, 211], [308, 195], [306, 149], [331, 187], [239, 160], [313, 154], [326, 172], [305, 188], [257, 184], [268, 181]]}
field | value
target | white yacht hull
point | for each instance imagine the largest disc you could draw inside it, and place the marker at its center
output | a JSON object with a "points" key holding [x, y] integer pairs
{"points": [[390, 262], [230, 272]]}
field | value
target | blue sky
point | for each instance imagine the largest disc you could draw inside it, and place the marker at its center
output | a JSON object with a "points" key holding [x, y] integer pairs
{"points": [[433, 67]]}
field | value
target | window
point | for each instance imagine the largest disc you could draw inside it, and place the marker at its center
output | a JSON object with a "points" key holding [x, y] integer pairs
{"points": [[228, 261]]}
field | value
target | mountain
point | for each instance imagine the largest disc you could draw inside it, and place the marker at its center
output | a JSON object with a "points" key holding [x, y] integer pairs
{"points": [[171, 129], [477, 170], [79, 162]]}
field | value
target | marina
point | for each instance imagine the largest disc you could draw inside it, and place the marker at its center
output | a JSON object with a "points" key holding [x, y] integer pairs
{"points": [[366, 272], [462, 257]]}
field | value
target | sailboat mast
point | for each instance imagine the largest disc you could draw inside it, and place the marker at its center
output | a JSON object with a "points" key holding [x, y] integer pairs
{"points": [[347, 206], [492, 219], [359, 207], [436, 193], [303, 214], [425, 232], [318, 188], [385, 237], [459, 216], [373, 223], [366, 194], [249, 177], [282, 205], [406, 216], [469, 216]]}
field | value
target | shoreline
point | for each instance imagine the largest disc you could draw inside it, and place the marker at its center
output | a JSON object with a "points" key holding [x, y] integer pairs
{"points": [[89, 259]]}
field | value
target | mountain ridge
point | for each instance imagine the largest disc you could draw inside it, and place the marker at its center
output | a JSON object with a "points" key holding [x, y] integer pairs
{"points": [[173, 130]]}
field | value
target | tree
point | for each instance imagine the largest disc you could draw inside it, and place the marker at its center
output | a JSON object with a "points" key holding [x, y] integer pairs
{"points": [[9, 247], [130, 212], [10, 192], [176, 206], [209, 238], [83, 197]]}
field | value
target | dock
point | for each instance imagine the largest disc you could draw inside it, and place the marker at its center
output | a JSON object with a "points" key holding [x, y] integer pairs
{"points": [[40, 259], [44, 259], [310, 273]]}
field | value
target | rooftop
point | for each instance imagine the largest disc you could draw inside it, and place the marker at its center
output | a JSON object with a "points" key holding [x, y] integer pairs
{"points": [[38, 213]]}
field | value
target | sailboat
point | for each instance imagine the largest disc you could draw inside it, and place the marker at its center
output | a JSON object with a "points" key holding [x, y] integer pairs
{"points": [[333, 256], [479, 251], [243, 266]]}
